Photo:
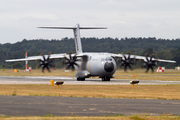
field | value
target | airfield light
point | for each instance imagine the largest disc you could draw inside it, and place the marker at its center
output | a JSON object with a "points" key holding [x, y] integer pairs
{"points": [[133, 75], [15, 70], [58, 83], [52, 82], [134, 82]]}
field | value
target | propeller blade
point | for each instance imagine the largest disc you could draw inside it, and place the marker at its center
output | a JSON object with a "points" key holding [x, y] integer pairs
{"points": [[73, 68], [130, 67], [152, 68], [46, 63], [125, 67], [127, 61], [48, 69], [71, 62], [68, 67], [147, 69], [124, 57], [51, 65], [76, 64], [147, 59], [43, 69], [149, 63], [44, 58], [151, 58], [74, 58], [67, 62], [66, 58]]}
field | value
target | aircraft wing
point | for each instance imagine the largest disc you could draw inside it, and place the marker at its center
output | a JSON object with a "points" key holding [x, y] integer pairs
{"points": [[140, 58], [52, 56]]}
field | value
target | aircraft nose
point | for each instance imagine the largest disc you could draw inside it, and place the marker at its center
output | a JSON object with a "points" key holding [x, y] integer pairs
{"points": [[109, 67]]}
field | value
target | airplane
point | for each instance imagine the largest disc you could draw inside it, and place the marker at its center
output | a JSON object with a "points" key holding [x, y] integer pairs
{"points": [[91, 64]]}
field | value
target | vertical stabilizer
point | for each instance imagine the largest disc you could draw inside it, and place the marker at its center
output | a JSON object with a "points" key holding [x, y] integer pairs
{"points": [[77, 39]]}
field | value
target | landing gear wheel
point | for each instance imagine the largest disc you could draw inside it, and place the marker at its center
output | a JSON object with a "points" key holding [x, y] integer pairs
{"points": [[106, 78], [80, 79]]}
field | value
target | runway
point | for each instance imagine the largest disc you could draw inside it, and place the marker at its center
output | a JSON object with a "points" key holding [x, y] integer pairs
{"points": [[73, 81], [67, 106]]}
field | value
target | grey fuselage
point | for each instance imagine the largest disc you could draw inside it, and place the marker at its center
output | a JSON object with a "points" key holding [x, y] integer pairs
{"points": [[96, 64]]}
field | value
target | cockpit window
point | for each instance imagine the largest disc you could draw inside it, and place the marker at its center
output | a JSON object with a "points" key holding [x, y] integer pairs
{"points": [[106, 59]]}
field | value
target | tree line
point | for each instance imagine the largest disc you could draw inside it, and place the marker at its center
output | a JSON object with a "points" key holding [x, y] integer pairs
{"points": [[163, 48]]}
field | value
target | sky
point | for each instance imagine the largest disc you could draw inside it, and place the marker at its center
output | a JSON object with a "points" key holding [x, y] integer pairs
{"points": [[19, 19]]}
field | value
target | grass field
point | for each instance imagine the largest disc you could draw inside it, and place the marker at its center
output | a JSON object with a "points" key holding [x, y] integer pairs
{"points": [[168, 75], [163, 92], [116, 117]]}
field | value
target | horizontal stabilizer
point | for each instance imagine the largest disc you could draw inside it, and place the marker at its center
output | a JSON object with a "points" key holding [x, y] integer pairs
{"points": [[74, 27], [93, 27], [76, 31], [58, 27]]}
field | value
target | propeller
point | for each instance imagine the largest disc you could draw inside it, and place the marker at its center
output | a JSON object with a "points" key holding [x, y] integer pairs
{"points": [[127, 62], [46, 63], [149, 63], [71, 62]]}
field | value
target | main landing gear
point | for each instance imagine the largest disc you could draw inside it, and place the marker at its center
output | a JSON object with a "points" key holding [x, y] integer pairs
{"points": [[106, 78], [80, 79]]}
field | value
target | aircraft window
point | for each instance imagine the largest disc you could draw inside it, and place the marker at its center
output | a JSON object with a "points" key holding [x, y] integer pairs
{"points": [[107, 59]]}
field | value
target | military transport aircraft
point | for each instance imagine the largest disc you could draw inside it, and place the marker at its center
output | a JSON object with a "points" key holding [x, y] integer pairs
{"points": [[90, 64]]}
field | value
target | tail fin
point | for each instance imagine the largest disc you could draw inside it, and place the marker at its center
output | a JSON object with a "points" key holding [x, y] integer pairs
{"points": [[77, 38]]}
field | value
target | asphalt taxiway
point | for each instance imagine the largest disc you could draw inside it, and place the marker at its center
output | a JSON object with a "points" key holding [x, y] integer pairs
{"points": [[67, 106]]}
